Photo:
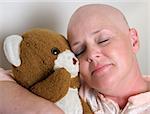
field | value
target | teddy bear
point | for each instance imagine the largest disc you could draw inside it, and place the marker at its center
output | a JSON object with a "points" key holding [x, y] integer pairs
{"points": [[43, 63]]}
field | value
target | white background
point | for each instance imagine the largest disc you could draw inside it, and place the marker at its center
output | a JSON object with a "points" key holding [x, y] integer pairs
{"points": [[17, 16]]}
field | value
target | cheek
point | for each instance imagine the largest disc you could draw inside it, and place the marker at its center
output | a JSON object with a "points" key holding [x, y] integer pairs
{"points": [[120, 49], [84, 69], [122, 56]]}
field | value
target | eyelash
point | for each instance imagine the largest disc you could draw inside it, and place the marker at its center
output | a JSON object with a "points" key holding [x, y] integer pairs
{"points": [[79, 52], [103, 41]]}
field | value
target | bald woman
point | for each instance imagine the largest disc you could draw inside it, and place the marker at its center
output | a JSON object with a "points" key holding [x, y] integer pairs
{"points": [[106, 47], [111, 80]]}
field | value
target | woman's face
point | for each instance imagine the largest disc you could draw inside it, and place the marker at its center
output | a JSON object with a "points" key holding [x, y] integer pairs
{"points": [[105, 52]]}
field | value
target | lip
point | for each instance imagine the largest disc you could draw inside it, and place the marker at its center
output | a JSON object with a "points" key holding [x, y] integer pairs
{"points": [[101, 69]]}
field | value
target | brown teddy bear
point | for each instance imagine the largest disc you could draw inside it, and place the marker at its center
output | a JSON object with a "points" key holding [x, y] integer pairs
{"points": [[43, 63]]}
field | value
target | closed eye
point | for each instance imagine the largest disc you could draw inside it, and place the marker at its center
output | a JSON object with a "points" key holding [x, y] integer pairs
{"points": [[79, 51], [100, 42]]}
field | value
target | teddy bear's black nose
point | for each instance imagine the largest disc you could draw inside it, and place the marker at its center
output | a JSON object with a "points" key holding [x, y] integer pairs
{"points": [[74, 61]]}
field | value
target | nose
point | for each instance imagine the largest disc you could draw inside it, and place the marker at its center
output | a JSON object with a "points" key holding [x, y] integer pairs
{"points": [[93, 54], [74, 61], [93, 58]]}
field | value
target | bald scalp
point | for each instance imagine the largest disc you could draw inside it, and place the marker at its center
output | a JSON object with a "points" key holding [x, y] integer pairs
{"points": [[100, 11]]}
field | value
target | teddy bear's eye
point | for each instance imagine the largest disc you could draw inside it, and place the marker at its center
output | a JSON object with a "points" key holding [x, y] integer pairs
{"points": [[55, 51]]}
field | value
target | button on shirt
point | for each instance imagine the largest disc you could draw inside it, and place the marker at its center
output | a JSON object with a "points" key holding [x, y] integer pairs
{"points": [[138, 104]]}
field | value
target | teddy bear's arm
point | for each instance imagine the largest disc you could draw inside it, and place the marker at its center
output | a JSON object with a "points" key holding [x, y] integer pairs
{"points": [[86, 107], [54, 87], [75, 82]]}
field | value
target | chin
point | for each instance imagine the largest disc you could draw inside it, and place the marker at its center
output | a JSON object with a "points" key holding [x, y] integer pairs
{"points": [[105, 84]]}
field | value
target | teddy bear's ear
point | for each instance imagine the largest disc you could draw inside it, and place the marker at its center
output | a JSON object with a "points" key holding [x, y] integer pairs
{"points": [[11, 48]]}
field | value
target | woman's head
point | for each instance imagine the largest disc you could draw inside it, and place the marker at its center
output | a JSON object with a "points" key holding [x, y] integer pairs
{"points": [[104, 44]]}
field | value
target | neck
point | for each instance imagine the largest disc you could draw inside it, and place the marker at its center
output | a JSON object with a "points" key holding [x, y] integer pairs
{"points": [[132, 86]]}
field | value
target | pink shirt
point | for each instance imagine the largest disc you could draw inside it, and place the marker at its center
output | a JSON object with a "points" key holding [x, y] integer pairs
{"points": [[138, 104]]}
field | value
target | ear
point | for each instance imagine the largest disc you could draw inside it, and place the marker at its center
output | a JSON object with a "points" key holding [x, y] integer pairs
{"points": [[11, 48], [134, 39]]}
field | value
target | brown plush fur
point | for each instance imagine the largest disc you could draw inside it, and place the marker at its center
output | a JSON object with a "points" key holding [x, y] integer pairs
{"points": [[86, 108], [37, 61], [52, 90]]}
